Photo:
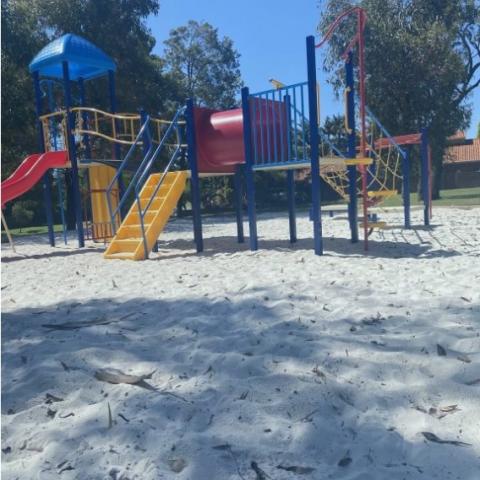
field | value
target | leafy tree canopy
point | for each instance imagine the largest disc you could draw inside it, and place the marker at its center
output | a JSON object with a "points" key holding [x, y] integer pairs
{"points": [[204, 65], [422, 59]]}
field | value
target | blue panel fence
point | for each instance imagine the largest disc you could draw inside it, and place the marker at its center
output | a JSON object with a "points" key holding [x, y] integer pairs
{"points": [[280, 132]]}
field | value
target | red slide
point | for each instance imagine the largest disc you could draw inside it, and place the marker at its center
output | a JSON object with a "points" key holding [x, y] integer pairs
{"points": [[30, 171]]}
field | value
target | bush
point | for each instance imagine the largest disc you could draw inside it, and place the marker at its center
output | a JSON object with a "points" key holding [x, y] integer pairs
{"points": [[22, 214]]}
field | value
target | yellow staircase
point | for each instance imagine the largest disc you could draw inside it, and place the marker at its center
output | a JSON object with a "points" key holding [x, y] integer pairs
{"points": [[128, 243]]}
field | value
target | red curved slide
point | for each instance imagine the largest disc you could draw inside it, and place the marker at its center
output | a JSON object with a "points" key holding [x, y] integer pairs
{"points": [[30, 171]]}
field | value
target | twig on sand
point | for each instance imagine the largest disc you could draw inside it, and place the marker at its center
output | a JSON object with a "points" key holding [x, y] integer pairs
{"points": [[110, 419], [308, 417], [227, 447], [261, 475]]}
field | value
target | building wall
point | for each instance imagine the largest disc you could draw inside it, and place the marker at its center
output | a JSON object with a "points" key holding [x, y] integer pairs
{"points": [[461, 175]]}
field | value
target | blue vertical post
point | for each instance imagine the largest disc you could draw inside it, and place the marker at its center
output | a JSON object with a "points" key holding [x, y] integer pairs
{"points": [[291, 205], [406, 187], [290, 173], [194, 178], [351, 150], [314, 146], [117, 148], [86, 137], [237, 191], [72, 151], [47, 180], [249, 173], [425, 176]]}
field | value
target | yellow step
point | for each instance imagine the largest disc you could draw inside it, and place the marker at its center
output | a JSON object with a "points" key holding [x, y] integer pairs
{"points": [[133, 216], [156, 202], [381, 193], [358, 161], [131, 231], [149, 189], [379, 225], [128, 243], [119, 256]]}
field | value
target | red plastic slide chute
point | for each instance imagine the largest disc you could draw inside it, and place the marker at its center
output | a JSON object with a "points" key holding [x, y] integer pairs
{"points": [[30, 171]]}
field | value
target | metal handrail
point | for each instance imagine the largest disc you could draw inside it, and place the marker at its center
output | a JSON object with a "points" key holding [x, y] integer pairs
{"points": [[119, 171], [101, 117], [146, 171], [385, 132], [142, 172]]}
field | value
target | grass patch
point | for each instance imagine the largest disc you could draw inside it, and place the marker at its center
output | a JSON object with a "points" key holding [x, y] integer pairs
{"points": [[459, 197], [26, 231]]}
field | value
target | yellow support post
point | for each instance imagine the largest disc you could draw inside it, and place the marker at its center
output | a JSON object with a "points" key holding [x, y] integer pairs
{"points": [[100, 178]]}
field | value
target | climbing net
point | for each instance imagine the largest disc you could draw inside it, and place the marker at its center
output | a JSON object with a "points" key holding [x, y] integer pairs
{"points": [[384, 174]]}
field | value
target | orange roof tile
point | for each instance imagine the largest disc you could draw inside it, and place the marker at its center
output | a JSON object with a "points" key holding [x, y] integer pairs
{"points": [[463, 153]]}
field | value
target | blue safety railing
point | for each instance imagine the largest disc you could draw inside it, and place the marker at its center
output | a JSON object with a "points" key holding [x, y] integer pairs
{"points": [[280, 133], [144, 169], [280, 128]]}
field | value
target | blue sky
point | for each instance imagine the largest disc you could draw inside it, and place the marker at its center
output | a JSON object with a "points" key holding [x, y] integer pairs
{"points": [[270, 36]]}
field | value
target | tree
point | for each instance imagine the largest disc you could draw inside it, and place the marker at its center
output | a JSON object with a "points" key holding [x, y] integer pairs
{"points": [[422, 60], [478, 130], [21, 39], [22, 214], [204, 65], [334, 129], [119, 28]]}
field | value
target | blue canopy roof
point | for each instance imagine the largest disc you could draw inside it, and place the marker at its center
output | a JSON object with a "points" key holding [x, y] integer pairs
{"points": [[85, 60]]}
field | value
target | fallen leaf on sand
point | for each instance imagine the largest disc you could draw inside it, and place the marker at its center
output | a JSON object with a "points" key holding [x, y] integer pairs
{"points": [[261, 475], [473, 382], [49, 398], [177, 464], [102, 320], [431, 437], [296, 469], [464, 358], [449, 408], [344, 462], [441, 352], [115, 376]]}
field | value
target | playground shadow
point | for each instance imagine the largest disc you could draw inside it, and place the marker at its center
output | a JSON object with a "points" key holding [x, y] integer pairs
{"points": [[246, 375], [332, 246]]}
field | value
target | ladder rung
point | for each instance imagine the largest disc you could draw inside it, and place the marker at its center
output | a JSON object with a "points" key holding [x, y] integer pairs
{"points": [[381, 193], [358, 161], [379, 225]]}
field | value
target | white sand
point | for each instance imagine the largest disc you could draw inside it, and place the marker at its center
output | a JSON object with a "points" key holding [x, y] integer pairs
{"points": [[283, 358]]}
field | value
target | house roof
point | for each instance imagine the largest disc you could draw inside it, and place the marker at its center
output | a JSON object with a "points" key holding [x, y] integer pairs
{"points": [[463, 153], [85, 60]]}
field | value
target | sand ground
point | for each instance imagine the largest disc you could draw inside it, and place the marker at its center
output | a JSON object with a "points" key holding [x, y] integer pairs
{"points": [[275, 364]]}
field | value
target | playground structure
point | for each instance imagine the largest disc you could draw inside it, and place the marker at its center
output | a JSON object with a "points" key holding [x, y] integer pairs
{"points": [[134, 181]]}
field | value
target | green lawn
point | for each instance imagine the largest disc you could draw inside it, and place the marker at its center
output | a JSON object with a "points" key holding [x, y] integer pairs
{"points": [[23, 232], [459, 197]]}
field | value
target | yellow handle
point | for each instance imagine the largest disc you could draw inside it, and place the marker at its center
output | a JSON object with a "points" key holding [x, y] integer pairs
{"points": [[345, 97]]}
